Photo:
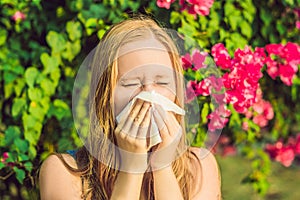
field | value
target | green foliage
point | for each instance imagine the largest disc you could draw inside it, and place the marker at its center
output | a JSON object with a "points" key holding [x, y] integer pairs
{"points": [[40, 55]]}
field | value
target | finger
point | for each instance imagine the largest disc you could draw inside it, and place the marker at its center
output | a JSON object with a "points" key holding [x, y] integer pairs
{"points": [[128, 122], [142, 113], [144, 126], [168, 119], [162, 127]]}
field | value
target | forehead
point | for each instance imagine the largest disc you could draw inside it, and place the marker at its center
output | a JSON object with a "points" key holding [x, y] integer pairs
{"points": [[144, 60], [147, 55]]}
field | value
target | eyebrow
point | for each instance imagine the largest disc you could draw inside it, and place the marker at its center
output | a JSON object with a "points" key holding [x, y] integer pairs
{"points": [[129, 78]]}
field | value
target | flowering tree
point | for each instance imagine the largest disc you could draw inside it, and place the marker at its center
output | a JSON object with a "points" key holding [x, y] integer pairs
{"points": [[253, 97]]}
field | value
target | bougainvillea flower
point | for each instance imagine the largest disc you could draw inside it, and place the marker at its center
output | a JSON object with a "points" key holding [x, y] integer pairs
{"points": [[283, 61], [297, 24], [221, 56], [216, 121], [18, 16], [281, 153], [186, 61], [5, 156], [297, 144], [218, 118], [190, 91], [164, 3], [272, 68], [200, 7], [286, 73], [195, 62]]}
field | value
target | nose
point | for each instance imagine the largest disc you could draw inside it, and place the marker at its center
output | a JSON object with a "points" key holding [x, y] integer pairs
{"points": [[148, 85]]}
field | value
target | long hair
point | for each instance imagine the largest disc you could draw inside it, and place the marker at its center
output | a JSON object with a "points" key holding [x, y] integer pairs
{"points": [[100, 144]]}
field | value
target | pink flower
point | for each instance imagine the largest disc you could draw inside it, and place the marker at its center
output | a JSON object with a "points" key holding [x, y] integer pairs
{"points": [[218, 118], [191, 91], [283, 154], [297, 144], [298, 24], [200, 7], [286, 156], [221, 56], [18, 16], [164, 3], [216, 121], [186, 61], [195, 62], [198, 59], [194, 7], [283, 61], [204, 87], [274, 48], [272, 68], [229, 150], [5, 156], [287, 73], [241, 81], [245, 126]]}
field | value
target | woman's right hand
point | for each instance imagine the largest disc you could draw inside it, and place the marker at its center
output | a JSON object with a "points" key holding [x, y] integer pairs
{"points": [[131, 136]]}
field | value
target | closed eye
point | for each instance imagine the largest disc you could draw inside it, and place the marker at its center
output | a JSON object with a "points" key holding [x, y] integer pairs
{"points": [[131, 85], [162, 83]]}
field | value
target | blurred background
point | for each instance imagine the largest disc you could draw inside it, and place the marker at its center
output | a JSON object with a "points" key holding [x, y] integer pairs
{"points": [[254, 44]]}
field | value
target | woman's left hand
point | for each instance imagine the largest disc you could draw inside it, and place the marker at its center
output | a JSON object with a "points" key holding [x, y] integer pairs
{"points": [[170, 131]]}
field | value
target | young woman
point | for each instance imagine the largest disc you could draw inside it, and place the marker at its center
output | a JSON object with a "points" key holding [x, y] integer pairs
{"points": [[118, 161]]}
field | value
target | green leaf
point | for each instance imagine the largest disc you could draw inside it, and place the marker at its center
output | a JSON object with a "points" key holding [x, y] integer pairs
{"points": [[3, 36], [20, 174], [11, 133], [74, 30], [229, 8], [72, 49], [19, 86], [48, 87], [100, 33], [28, 121], [28, 166], [36, 110], [18, 106], [31, 74], [204, 113], [34, 94], [50, 63], [246, 29], [22, 145], [23, 157], [234, 21], [32, 135], [59, 109], [266, 16], [9, 77], [55, 76], [8, 90], [32, 152], [175, 17], [2, 165], [280, 27], [56, 41]]}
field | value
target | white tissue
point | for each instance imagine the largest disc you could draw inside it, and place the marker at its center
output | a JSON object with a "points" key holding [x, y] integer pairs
{"points": [[154, 98]]}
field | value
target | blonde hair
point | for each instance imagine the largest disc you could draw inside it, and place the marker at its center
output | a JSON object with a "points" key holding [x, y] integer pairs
{"points": [[100, 143]]}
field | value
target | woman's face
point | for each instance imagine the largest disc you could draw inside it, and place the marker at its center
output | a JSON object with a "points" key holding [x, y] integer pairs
{"points": [[143, 69]]}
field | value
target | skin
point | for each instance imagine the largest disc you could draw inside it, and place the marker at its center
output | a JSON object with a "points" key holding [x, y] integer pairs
{"points": [[147, 67], [146, 70]]}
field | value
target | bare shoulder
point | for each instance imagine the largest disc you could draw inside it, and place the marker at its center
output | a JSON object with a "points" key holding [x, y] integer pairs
{"points": [[209, 175], [56, 181]]}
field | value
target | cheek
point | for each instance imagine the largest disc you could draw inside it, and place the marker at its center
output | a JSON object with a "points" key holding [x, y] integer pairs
{"points": [[122, 97], [170, 94]]}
